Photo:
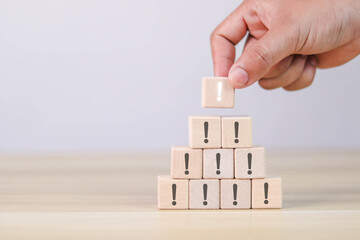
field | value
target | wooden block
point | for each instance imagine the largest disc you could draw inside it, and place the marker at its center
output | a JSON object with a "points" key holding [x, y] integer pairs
{"points": [[173, 193], [217, 93], [186, 163], [218, 163], [205, 131], [250, 162], [235, 194], [236, 132], [267, 193], [204, 194]]}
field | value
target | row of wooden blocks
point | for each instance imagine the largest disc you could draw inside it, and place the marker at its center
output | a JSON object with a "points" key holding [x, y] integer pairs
{"points": [[241, 163], [220, 132], [219, 194]]}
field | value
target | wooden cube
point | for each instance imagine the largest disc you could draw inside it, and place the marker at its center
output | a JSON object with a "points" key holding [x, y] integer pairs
{"points": [[250, 162], [173, 193], [235, 194], [204, 194], [236, 132], [218, 163], [217, 92], [267, 193], [186, 163], [205, 131]]}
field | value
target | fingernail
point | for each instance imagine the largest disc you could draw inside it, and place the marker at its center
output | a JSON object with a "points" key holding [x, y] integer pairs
{"points": [[313, 61], [238, 77]]}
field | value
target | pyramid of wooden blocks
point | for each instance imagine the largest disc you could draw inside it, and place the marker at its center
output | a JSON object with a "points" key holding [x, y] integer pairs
{"points": [[220, 169]]}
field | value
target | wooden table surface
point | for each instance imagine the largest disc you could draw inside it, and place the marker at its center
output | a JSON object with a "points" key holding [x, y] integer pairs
{"points": [[114, 197]]}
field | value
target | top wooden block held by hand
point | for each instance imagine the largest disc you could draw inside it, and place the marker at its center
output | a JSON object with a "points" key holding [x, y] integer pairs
{"points": [[217, 93]]}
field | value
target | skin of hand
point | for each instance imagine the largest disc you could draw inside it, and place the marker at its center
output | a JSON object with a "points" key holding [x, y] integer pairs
{"points": [[287, 41]]}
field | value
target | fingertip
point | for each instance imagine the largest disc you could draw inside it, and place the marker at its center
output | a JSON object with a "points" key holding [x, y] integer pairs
{"points": [[313, 61], [264, 84], [305, 80], [238, 77], [221, 70]]}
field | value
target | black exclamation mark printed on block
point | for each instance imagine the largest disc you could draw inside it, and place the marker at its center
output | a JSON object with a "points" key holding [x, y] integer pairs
{"points": [[206, 129], [174, 194], [249, 163], [235, 194], [266, 191], [186, 164], [205, 186], [218, 163], [236, 126]]}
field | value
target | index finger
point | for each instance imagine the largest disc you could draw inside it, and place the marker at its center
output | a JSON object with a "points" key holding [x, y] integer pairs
{"points": [[223, 41]]}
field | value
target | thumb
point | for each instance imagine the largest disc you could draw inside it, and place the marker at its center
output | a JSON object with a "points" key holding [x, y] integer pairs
{"points": [[258, 58]]}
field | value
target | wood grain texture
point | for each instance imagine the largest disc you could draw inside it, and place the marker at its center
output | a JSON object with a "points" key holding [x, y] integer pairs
{"points": [[186, 162], [204, 194], [236, 139], [218, 163], [250, 163], [114, 196], [173, 193], [235, 194], [199, 137], [266, 193], [217, 93]]}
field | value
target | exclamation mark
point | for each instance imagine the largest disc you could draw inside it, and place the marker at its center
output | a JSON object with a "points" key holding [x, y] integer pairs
{"points": [[266, 191], [219, 98], [235, 194], [174, 194], [249, 163], [218, 163], [206, 128], [236, 127], [205, 186], [186, 164]]}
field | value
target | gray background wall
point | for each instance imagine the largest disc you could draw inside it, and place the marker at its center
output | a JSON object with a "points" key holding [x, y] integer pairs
{"points": [[122, 75]]}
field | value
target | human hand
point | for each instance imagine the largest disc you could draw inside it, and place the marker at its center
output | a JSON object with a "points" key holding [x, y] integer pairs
{"points": [[287, 40]]}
